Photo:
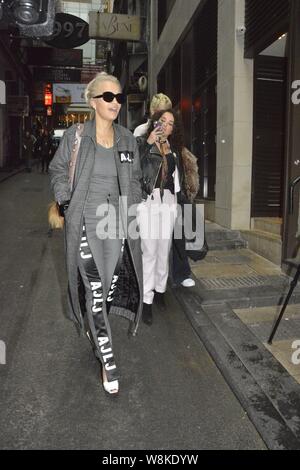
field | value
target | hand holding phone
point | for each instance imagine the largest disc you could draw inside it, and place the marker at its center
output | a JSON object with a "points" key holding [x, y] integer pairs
{"points": [[157, 125]]}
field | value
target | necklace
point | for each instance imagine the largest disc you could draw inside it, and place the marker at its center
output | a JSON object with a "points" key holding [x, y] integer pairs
{"points": [[107, 140], [105, 143]]}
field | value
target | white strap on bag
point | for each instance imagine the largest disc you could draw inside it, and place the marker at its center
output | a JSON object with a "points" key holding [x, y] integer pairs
{"points": [[74, 154]]}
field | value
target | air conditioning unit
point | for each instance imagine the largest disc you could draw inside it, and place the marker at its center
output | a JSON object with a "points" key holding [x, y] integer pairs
{"points": [[34, 18]]}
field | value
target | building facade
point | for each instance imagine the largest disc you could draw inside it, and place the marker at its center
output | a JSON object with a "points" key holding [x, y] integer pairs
{"points": [[231, 67]]}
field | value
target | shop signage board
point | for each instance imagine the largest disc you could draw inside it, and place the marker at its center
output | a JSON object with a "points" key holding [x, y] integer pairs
{"points": [[55, 57], [69, 31], [89, 71], [18, 105], [56, 74], [67, 93], [113, 26]]}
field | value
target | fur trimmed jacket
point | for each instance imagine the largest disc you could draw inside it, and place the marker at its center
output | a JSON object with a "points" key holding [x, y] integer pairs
{"points": [[190, 181], [186, 163]]}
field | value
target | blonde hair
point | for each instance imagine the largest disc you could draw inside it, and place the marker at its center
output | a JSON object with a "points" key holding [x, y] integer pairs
{"points": [[93, 87], [160, 102]]}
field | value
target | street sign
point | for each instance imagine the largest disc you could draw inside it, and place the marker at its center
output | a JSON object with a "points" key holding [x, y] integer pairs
{"points": [[69, 31], [112, 26], [18, 105]]}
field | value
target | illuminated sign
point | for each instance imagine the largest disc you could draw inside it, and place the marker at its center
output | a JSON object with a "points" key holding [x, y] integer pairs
{"points": [[67, 93], [48, 95]]}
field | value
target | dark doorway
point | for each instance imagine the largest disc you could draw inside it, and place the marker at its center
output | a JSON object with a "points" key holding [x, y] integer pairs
{"points": [[291, 240], [268, 136]]}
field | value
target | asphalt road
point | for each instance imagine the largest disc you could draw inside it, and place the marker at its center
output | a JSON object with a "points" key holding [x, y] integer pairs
{"points": [[172, 396]]}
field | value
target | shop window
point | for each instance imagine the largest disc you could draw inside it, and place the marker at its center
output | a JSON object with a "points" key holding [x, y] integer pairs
{"points": [[169, 78], [205, 43], [161, 82], [203, 141], [204, 116], [175, 93]]}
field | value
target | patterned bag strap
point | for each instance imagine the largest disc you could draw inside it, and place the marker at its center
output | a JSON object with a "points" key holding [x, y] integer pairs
{"points": [[74, 154]]}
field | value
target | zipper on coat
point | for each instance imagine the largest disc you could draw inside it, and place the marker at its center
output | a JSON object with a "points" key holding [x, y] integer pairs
{"points": [[160, 165]]}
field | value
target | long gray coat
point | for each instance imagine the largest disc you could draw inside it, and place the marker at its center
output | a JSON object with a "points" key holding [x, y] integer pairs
{"points": [[128, 299]]}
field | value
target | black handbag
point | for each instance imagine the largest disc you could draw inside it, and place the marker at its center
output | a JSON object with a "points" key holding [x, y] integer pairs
{"points": [[197, 253], [195, 245]]}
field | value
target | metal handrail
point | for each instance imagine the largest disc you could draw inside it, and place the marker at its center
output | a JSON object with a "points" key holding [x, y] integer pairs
{"points": [[292, 188]]}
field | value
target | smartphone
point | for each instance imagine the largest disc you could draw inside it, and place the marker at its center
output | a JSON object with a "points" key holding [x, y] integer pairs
{"points": [[157, 125]]}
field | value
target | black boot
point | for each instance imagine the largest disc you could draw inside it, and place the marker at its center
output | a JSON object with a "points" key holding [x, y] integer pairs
{"points": [[147, 314], [159, 299]]}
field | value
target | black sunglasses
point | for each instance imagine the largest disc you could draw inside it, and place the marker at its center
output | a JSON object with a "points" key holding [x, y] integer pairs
{"points": [[108, 96]]}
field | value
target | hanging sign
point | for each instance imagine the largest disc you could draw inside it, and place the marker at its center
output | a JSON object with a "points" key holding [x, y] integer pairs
{"points": [[67, 93], [112, 26], [48, 99], [69, 31]]}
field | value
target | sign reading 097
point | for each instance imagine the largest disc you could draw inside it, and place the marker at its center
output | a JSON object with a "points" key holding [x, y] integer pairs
{"points": [[69, 31]]}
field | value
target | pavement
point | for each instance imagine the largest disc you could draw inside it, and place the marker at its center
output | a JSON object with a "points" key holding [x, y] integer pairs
{"points": [[231, 311], [232, 308], [172, 394], [8, 173]]}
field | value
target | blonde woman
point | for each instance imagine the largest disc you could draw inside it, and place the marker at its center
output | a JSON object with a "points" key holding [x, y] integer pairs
{"points": [[103, 262], [158, 103]]}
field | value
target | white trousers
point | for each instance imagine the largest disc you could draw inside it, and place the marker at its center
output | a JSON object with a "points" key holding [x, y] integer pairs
{"points": [[156, 220]]}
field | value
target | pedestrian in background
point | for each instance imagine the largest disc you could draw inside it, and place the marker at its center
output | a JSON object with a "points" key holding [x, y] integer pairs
{"points": [[159, 102], [46, 151], [180, 270], [38, 148], [105, 265], [164, 177], [28, 148]]}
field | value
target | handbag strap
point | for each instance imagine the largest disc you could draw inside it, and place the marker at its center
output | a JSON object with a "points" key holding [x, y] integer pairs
{"points": [[74, 154]]}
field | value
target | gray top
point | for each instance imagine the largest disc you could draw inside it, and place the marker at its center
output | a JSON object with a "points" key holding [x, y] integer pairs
{"points": [[103, 188], [103, 181], [105, 162]]}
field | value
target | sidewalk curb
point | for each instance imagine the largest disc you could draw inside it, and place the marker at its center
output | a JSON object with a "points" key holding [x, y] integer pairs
{"points": [[275, 419], [15, 172]]}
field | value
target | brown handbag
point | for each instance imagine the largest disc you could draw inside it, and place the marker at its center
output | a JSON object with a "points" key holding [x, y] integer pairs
{"points": [[55, 220]]}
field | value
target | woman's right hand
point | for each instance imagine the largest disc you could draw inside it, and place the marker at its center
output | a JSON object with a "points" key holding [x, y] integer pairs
{"points": [[155, 135], [63, 207]]}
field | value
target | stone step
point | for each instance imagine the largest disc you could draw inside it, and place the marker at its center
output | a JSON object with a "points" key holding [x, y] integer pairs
{"points": [[219, 235], [223, 239], [264, 243], [268, 224], [247, 291], [226, 244], [265, 389]]}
